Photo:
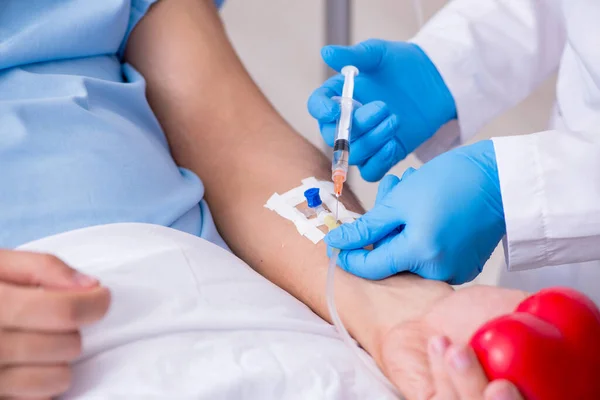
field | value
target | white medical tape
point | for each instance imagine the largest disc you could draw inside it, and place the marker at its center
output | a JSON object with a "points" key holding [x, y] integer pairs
{"points": [[328, 196], [286, 203], [303, 225]]}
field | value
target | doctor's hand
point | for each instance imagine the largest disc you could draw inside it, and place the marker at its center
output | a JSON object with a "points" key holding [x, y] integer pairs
{"points": [[405, 101], [441, 222], [43, 304]]}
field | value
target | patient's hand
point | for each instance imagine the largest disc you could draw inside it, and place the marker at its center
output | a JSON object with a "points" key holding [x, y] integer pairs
{"points": [[43, 303], [457, 315]]}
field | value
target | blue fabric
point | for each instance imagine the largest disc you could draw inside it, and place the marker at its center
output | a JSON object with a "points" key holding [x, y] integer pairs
{"points": [[405, 102], [441, 222], [79, 144]]}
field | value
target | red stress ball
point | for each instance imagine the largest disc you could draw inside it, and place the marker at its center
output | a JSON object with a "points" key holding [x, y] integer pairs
{"points": [[549, 347]]}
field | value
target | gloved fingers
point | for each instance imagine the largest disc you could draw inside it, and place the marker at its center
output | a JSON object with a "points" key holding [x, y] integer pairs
{"points": [[385, 186], [408, 172], [465, 372], [501, 389], [385, 240], [371, 142], [391, 236], [361, 263], [366, 56], [381, 162], [376, 264], [368, 229], [320, 105], [368, 117], [328, 133], [436, 350]]}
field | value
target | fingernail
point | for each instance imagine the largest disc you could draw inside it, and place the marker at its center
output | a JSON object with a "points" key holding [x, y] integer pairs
{"points": [[84, 280], [503, 392], [460, 359], [438, 345]]}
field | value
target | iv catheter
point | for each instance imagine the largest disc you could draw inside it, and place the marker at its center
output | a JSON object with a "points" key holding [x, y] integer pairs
{"points": [[315, 204], [341, 144], [339, 325]]}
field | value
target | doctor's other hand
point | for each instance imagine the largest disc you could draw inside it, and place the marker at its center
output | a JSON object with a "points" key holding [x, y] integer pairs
{"points": [[405, 101], [441, 222], [43, 305]]}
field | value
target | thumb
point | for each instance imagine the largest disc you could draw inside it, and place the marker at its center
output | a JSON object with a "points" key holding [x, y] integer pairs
{"points": [[368, 229], [385, 186], [36, 269], [365, 56]]}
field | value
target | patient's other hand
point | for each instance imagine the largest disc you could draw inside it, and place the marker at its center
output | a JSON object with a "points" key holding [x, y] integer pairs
{"points": [[458, 315], [43, 303]]}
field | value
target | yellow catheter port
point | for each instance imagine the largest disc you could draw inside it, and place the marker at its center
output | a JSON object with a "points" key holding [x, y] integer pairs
{"points": [[330, 222]]}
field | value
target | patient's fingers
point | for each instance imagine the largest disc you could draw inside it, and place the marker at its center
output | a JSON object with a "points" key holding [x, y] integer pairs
{"points": [[465, 372], [36, 269], [50, 310], [501, 389], [27, 398], [20, 347], [34, 382], [437, 348]]}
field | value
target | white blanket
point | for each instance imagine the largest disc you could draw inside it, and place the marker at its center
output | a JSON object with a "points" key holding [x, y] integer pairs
{"points": [[189, 320]]}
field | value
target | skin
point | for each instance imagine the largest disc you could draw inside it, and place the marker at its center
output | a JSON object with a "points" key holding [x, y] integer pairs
{"points": [[221, 126], [456, 374], [408, 358], [40, 331]]}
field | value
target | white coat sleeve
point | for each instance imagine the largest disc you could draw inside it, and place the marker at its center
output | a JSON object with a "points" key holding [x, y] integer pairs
{"points": [[550, 184], [491, 54]]}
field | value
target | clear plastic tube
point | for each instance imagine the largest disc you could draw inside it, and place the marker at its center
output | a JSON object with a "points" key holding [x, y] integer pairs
{"points": [[418, 9], [368, 363]]}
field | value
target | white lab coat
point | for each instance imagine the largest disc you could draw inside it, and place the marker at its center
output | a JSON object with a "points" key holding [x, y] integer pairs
{"points": [[492, 54]]}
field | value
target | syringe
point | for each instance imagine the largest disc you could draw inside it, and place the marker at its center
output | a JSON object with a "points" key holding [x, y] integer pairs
{"points": [[341, 145]]}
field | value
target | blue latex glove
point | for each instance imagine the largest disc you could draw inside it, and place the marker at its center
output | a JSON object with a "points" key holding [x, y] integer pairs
{"points": [[405, 101], [441, 222]]}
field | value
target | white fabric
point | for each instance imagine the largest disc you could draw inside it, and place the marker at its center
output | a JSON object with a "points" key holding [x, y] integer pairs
{"points": [[189, 320], [492, 54]]}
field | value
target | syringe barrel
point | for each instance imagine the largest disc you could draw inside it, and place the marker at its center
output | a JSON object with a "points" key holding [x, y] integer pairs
{"points": [[344, 123], [349, 72], [341, 147], [341, 154]]}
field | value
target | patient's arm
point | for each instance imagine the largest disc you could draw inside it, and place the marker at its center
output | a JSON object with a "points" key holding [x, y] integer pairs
{"points": [[220, 126]]}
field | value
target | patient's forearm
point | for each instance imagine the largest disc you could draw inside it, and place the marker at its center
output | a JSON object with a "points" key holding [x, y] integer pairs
{"points": [[220, 126]]}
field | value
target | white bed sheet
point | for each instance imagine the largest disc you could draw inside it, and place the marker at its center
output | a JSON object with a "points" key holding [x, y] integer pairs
{"points": [[189, 320]]}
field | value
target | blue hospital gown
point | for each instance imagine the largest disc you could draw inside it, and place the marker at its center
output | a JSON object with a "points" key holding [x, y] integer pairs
{"points": [[79, 144]]}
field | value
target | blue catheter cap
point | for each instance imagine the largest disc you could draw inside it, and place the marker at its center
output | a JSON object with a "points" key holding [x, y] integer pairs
{"points": [[312, 197]]}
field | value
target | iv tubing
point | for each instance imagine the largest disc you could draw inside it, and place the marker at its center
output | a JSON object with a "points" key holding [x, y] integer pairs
{"points": [[346, 338], [418, 9]]}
